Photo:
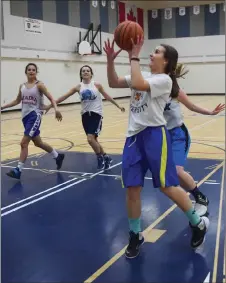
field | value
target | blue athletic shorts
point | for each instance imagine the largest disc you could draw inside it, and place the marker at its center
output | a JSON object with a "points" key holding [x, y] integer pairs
{"points": [[181, 142], [150, 149], [92, 123], [32, 123]]}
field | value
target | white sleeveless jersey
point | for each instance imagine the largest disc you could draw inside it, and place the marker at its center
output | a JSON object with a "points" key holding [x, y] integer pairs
{"points": [[146, 107], [91, 99], [173, 114], [32, 99]]}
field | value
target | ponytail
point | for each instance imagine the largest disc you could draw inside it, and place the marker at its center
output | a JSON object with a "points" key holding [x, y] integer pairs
{"points": [[180, 71], [175, 87], [174, 69]]}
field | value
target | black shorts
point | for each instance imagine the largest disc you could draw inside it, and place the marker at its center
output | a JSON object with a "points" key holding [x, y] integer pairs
{"points": [[92, 123]]}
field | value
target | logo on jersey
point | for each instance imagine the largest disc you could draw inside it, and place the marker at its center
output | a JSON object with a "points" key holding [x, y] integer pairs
{"points": [[138, 105], [87, 95], [167, 107], [29, 99]]}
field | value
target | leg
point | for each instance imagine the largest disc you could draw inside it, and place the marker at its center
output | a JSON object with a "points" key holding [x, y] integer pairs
{"points": [[16, 173], [164, 175], [91, 139], [59, 157], [180, 145], [107, 159], [97, 149], [92, 124], [133, 172], [188, 183]]}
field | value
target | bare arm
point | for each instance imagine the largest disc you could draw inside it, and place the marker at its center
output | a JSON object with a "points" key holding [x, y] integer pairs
{"points": [[14, 102], [108, 97], [113, 80], [183, 98], [44, 90], [68, 94], [137, 80]]}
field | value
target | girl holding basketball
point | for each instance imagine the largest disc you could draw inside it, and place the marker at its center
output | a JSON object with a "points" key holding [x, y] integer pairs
{"points": [[148, 144], [31, 94], [92, 112], [181, 141]]}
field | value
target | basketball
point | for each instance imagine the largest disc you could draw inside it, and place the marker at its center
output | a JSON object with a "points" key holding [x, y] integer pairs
{"points": [[124, 32]]}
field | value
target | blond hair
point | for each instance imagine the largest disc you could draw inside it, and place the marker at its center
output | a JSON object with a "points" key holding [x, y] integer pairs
{"points": [[181, 70]]}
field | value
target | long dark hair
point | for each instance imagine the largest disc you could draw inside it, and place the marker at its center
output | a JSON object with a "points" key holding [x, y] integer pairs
{"points": [[173, 69], [80, 73]]}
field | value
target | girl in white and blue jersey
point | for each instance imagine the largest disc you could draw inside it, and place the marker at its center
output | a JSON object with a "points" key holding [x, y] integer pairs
{"points": [[31, 95], [181, 141], [148, 144], [90, 93]]}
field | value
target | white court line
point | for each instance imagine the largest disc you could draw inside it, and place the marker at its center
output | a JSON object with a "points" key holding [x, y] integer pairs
{"points": [[52, 193], [201, 126], [207, 279], [110, 126], [210, 182], [74, 134], [50, 189], [47, 170]]}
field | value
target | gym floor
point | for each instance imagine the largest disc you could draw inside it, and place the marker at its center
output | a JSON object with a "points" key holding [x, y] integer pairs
{"points": [[71, 225]]}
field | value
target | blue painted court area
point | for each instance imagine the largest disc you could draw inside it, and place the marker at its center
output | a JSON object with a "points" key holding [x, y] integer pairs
{"points": [[64, 226]]}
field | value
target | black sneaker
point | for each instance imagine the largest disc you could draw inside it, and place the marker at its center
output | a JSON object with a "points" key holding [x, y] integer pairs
{"points": [[107, 161], [100, 162], [135, 241], [59, 160], [201, 199], [199, 232], [201, 204], [15, 173]]}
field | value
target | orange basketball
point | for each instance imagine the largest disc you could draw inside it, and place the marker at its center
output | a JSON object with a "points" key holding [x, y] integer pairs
{"points": [[125, 31]]}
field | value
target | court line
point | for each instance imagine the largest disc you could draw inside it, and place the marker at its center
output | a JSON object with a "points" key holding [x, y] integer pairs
{"points": [[212, 182], [207, 279], [52, 193], [217, 247], [40, 193], [110, 262], [117, 122], [68, 134]]}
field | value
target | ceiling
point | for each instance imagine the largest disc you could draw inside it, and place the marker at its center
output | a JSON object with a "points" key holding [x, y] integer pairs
{"points": [[148, 5]]}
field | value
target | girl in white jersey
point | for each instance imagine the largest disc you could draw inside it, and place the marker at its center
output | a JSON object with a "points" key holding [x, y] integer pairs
{"points": [[181, 141], [31, 96], [148, 143], [92, 112]]}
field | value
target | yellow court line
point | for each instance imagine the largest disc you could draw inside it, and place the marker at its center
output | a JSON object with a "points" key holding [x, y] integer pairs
{"points": [[147, 230], [217, 247]]}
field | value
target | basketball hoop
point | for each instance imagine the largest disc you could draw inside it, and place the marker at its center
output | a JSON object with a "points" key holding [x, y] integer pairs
{"points": [[84, 48]]}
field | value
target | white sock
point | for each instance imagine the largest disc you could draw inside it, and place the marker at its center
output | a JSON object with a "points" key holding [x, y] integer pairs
{"points": [[20, 165], [54, 153]]}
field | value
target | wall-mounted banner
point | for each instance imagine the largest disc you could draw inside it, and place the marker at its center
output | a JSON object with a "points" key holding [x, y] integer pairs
{"points": [[112, 4], [196, 10], [95, 4], [182, 11], [154, 14], [212, 8], [33, 26], [168, 13]]}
